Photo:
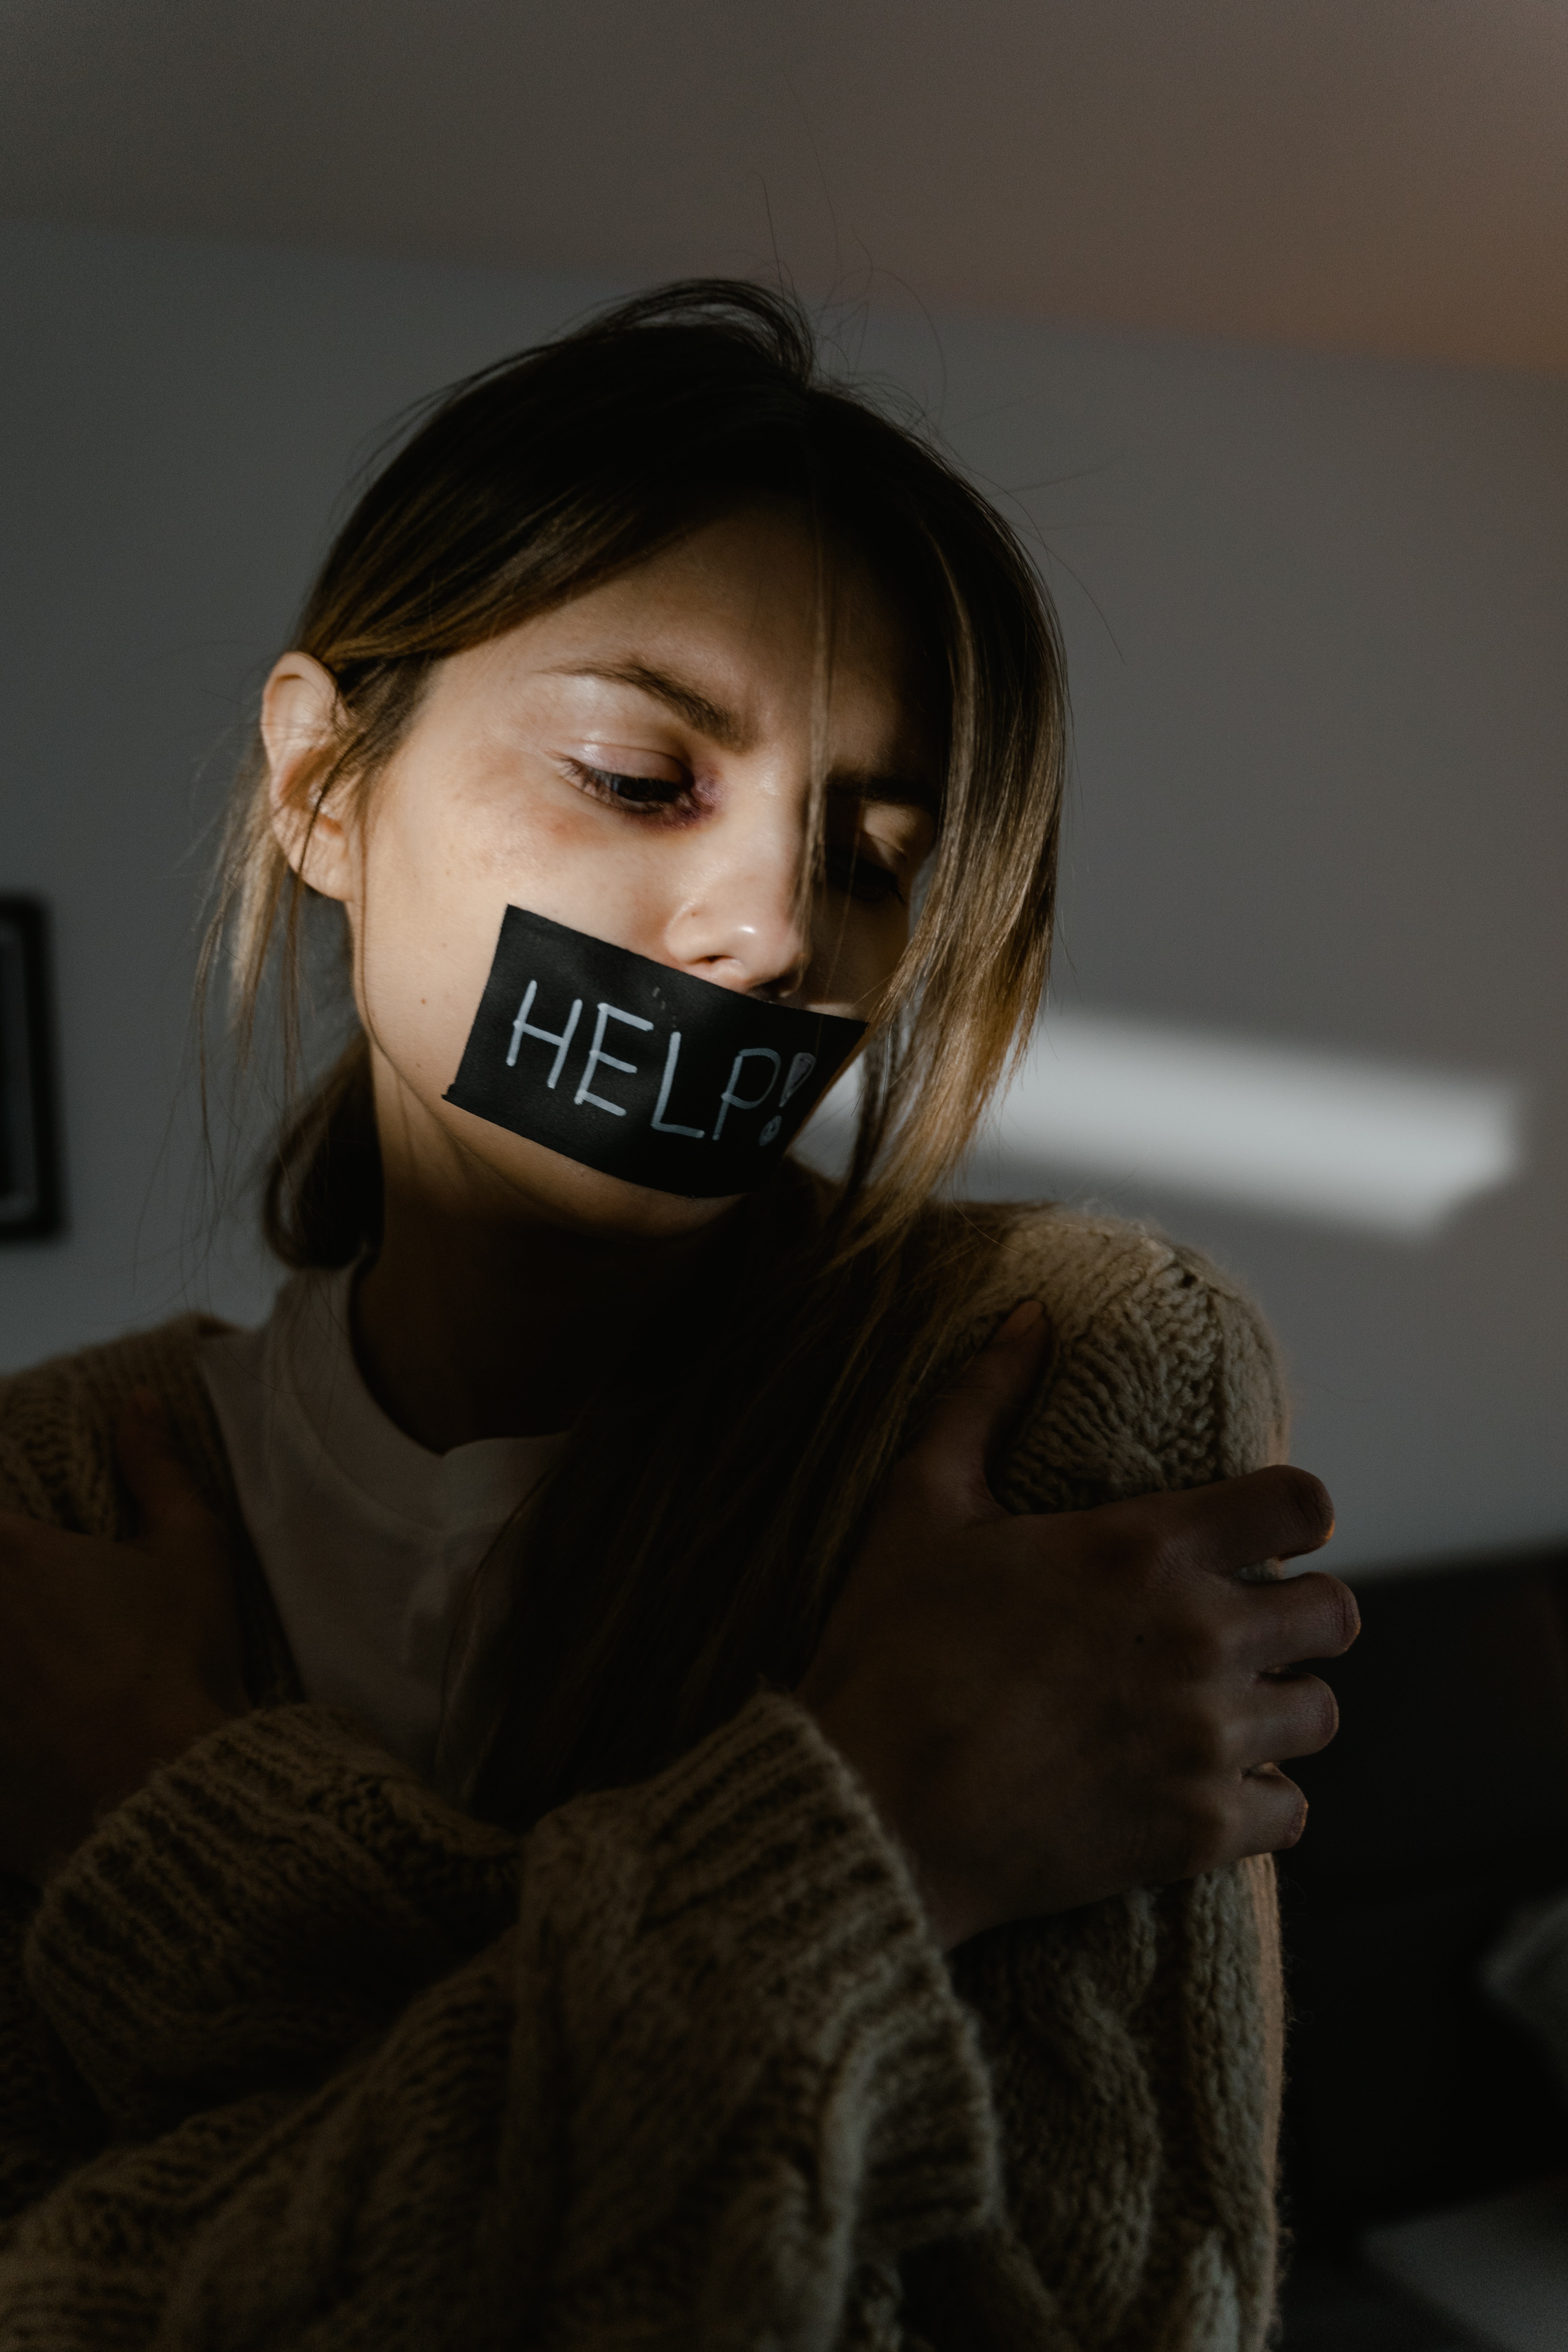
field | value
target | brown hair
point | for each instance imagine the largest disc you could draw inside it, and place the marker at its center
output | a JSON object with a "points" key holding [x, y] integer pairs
{"points": [[710, 1556]]}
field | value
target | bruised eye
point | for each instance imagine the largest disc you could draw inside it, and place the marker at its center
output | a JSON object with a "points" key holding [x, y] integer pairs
{"points": [[861, 878], [638, 796]]}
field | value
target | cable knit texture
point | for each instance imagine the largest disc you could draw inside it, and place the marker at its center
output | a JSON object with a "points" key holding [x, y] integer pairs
{"points": [[296, 2055]]}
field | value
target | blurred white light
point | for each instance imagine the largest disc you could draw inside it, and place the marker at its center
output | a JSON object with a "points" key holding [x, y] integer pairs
{"points": [[1330, 1138]]}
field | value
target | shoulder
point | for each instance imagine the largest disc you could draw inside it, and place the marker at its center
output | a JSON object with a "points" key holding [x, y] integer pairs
{"points": [[57, 1421], [1165, 1372]]}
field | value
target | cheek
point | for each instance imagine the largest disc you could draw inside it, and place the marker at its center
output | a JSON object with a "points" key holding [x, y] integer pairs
{"points": [[424, 954], [440, 872], [440, 867]]}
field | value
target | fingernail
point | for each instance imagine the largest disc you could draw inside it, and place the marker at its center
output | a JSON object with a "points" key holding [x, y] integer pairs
{"points": [[1023, 1318]]}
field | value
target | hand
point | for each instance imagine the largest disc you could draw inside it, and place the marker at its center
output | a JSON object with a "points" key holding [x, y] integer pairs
{"points": [[114, 1658], [1047, 1710]]}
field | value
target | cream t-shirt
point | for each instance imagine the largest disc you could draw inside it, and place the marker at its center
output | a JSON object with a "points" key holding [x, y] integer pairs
{"points": [[369, 1542]]}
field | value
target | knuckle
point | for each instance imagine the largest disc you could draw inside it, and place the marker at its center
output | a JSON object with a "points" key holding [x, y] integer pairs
{"points": [[1206, 1827], [1207, 1643], [1206, 1749], [1203, 1655], [1131, 1541], [1180, 1553], [1166, 1556]]}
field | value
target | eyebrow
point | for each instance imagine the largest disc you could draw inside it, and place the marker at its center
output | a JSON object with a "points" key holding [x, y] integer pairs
{"points": [[729, 728], [721, 726]]}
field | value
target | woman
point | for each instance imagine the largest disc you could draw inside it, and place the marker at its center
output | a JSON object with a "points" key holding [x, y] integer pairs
{"points": [[507, 1761]]}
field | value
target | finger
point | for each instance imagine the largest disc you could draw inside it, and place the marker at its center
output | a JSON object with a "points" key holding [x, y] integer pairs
{"points": [[971, 1421], [166, 1495], [1278, 1514], [1296, 1717], [1273, 1812], [1310, 1616], [1216, 1823]]}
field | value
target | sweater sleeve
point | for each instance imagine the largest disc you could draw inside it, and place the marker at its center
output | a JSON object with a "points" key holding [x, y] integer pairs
{"points": [[1135, 2046], [704, 2086], [57, 1465]]}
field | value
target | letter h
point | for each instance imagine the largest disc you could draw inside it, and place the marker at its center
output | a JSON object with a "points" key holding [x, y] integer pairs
{"points": [[523, 1027]]}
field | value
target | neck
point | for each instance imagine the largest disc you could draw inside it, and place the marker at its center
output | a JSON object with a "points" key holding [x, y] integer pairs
{"points": [[464, 1329]]}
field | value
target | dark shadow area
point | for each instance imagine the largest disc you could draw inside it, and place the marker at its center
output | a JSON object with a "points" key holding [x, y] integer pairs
{"points": [[1442, 1806], [1336, 2304]]}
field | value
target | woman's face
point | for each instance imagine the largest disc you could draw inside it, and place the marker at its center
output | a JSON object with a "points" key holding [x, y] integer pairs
{"points": [[637, 765]]}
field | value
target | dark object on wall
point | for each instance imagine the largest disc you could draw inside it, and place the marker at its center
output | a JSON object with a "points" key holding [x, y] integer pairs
{"points": [[29, 1162], [1442, 1806]]}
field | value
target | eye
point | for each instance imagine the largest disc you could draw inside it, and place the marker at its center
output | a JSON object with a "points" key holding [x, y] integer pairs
{"points": [[637, 795], [861, 878]]}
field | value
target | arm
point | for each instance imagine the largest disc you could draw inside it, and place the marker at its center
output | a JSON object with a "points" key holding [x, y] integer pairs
{"points": [[269, 1961], [254, 1914], [1096, 1799], [1052, 2025], [1159, 2013], [687, 2095]]}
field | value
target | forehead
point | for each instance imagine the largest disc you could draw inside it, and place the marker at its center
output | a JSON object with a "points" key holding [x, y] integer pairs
{"points": [[758, 609]]}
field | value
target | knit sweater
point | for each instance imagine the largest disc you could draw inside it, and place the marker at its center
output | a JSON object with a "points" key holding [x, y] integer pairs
{"points": [[297, 2056]]}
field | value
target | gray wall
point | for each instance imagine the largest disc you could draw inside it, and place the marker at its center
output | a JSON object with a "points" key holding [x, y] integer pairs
{"points": [[1315, 612]]}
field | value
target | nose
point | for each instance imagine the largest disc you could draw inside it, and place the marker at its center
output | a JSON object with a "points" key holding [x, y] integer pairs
{"points": [[740, 922]]}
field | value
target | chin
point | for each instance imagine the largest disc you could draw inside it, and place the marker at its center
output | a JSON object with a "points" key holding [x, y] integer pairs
{"points": [[544, 1187]]}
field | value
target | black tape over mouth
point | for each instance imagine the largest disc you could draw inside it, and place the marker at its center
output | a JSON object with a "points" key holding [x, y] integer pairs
{"points": [[640, 1071]]}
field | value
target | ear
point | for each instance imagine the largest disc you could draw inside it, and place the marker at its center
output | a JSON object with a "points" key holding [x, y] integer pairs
{"points": [[299, 712]]}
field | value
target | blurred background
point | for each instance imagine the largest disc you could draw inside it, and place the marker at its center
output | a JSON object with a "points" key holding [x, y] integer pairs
{"points": [[1253, 315]]}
